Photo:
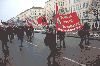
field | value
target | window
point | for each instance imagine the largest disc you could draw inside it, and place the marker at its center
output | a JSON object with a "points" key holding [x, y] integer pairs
{"points": [[59, 3], [66, 10], [39, 13], [86, 5], [83, 5], [70, 8], [63, 3], [80, 14], [76, 1], [73, 8], [78, 7], [35, 13]]}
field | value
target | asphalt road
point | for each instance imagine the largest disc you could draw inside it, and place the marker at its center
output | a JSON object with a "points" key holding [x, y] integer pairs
{"points": [[36, 53]]}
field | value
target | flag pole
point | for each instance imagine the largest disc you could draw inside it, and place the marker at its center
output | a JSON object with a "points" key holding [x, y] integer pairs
{"points": [[56, 20]]}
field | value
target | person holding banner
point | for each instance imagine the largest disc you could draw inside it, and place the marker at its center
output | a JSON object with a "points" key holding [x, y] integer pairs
{"points": [[50, 41]]}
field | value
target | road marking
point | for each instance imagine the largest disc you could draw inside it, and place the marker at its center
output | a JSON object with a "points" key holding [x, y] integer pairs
{"points": [[74, 61], [93, 47], [31, 43], [89, 46], [35, 45]]}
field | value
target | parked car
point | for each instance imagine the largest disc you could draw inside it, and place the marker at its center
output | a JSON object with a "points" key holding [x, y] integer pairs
{"points": [[94, 35], [40, 31]]}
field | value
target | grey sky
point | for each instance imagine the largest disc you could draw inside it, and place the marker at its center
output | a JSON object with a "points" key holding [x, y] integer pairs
{"points": [[11, 8]]}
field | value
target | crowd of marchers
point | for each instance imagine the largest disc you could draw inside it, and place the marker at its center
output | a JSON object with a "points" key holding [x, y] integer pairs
{"points": [[8, 33]]}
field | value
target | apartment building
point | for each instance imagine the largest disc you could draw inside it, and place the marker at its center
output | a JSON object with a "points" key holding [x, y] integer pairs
{"points": [[31, 13]]}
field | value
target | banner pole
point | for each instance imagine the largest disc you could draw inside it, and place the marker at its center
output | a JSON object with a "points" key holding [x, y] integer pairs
{"points": [[56, 20]]}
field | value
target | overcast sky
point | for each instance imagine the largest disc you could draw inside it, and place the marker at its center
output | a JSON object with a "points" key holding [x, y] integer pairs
{"points": [[11, 8]]}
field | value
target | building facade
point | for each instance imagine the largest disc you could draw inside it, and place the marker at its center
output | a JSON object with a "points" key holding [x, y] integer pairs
{"points": [[50, 8], [31, 13], [81, 7]]}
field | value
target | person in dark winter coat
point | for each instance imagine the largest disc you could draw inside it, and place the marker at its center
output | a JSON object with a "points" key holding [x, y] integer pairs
{"points": [[10, 31], [51, 43], [20, 33], [62, 37], [4, 37], [29, 31], [84, 33]]}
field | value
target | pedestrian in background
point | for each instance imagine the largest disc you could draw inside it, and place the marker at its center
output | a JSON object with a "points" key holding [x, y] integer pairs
{"points": [[29, 32], [84, 33], [61, 36], [20, 34]]}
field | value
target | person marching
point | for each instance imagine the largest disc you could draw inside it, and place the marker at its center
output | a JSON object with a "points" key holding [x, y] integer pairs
{"points": [[61, 36], [50, 41], [84, 33], [4, 37], [29, 31], [20, 34]]}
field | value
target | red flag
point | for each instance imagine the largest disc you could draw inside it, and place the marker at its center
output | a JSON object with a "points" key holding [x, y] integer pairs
{"points": [[39, 20], [42, 20]]}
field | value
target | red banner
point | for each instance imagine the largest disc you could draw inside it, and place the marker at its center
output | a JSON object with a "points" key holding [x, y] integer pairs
{"points": [[67, 22]]}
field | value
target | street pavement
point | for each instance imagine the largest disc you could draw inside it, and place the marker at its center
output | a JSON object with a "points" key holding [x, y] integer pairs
{"points": [[85, 55], [36, 53]]}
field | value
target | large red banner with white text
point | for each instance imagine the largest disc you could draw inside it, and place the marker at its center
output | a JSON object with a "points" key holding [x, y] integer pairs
{"points": [[67, 22]]}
